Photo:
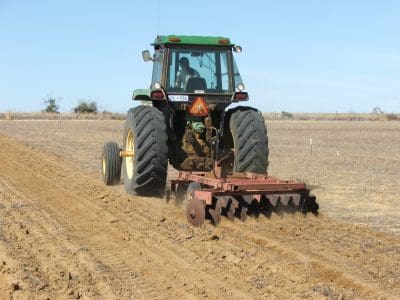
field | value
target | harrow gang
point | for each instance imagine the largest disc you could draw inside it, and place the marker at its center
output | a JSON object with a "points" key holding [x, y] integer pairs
{"points": [[238, 193]]}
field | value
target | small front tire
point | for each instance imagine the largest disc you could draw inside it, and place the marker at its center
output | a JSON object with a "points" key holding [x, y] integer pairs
{"points": [[111, 164]]}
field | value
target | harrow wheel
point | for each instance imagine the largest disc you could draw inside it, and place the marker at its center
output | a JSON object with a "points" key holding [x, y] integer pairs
{"points": [[195, 212], [111, 164]]}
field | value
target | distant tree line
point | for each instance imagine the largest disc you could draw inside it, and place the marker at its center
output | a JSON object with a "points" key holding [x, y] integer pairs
{"points": [[83, 106]]}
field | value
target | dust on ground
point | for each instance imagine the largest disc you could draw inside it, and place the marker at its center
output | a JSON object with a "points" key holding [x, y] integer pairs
{"points": [[63, 234]]}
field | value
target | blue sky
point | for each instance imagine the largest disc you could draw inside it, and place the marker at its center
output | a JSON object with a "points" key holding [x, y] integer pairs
{"points": [[298, 56]]}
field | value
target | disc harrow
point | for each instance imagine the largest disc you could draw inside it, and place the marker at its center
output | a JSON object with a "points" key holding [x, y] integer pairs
{"points": [[240, 195]]}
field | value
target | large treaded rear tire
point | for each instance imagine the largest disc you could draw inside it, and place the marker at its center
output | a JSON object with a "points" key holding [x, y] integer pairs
{"points": [[145, 134], [111, 163], [250, 140]]}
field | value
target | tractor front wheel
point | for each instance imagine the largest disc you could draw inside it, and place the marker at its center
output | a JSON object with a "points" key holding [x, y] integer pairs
{"points": [[145, 160], [111, 163]]}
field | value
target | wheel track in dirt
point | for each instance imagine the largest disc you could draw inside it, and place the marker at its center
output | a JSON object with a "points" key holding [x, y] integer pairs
{"points": [[27, 227], [95, 248], [68, 204], [172, 249], [322, 267], [63, 218], [172, 241]]}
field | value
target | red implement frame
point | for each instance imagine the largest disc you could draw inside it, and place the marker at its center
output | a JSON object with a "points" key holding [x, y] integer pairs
{"points": [[237, 184]]}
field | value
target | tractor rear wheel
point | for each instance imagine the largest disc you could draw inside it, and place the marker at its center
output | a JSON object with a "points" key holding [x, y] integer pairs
{"points": [[146, 152], [111, 163], [250, 140]]}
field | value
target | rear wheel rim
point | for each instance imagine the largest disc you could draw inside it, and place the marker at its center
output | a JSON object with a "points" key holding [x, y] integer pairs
{"points": [[104, 165], [129, 160]]}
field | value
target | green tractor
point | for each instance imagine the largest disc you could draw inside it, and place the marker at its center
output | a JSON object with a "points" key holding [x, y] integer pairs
{"points": [[183, 118]]}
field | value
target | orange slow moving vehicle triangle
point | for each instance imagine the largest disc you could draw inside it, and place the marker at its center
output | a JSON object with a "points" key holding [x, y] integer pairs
{"points": [[198, 107]]}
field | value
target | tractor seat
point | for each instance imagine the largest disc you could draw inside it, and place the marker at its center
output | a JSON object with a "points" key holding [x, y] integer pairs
{"points": [[195, 84]]}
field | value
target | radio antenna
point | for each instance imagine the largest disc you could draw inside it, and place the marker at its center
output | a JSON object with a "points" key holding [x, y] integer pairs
{"points": [[158, 17]]}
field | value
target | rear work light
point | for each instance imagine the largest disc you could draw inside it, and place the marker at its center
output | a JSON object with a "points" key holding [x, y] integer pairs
{"points": [[240, 96], [223, 41], [174, 39], [157, 95]]}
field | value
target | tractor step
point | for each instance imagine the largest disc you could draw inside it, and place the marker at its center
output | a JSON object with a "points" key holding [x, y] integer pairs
{"points": [[239, 195]]}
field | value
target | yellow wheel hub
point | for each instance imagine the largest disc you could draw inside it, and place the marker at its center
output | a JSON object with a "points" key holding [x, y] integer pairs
{"points": [[104, 165], [129, 160]]}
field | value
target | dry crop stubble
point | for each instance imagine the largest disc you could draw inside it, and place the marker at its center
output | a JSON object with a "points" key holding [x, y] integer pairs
{"points": [[353, 169]]}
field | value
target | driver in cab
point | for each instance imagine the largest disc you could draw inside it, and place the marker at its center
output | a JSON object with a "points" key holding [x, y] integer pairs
{"points": [[185, 73]]}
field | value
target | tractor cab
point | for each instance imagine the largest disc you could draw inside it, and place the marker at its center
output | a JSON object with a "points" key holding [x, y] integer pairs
{"points": [[186, 66]]}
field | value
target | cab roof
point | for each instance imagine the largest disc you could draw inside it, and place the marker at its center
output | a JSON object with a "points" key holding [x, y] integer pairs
{"points": [[192, 40]]}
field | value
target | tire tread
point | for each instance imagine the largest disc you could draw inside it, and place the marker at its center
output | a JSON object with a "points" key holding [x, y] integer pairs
{"points": [[151, 151], [250, 140]]}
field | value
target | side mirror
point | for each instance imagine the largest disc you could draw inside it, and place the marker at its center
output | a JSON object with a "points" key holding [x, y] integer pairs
{"points": [[147, 56]]}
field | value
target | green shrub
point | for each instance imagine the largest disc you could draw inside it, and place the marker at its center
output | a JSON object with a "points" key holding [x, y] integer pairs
{"points": [[51, 105], [286, 115], [86, 107]]}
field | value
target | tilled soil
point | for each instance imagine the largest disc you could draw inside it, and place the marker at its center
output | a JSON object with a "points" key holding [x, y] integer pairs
{"points": [[64, 234]]}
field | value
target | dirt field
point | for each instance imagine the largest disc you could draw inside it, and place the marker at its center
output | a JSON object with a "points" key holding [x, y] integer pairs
{"points": [[63, 234]]}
